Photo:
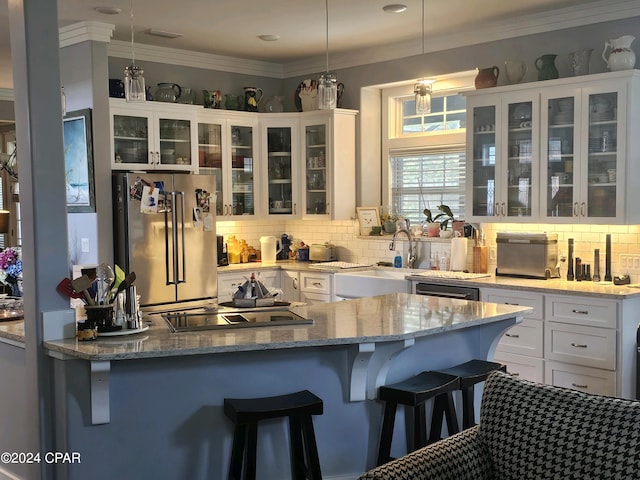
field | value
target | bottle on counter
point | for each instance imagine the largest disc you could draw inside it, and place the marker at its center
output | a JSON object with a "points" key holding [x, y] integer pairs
{"points": [[397, 260]]}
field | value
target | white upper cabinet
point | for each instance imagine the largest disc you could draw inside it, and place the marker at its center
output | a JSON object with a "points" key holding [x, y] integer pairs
{"points": [[152, 135], [558, 151]]}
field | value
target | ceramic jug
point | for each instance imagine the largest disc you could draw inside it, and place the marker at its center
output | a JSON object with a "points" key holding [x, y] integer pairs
{"points": [[487, 77], [167, 92], [515, 71], [579, 61], [116, 88], [621, 56], [274, 104], [212, 98], [545, 64], [187, 96], [252, 97]]}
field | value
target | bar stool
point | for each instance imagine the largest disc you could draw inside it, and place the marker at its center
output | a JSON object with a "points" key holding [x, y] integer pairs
{"points": [[414, 392], [245, 413], [470, 373]]}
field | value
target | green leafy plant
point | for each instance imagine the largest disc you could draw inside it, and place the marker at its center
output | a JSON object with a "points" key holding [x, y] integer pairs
{"points": [[444, 217]]}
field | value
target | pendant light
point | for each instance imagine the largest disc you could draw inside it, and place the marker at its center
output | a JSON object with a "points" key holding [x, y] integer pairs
{"points": [[422, 89], [134, 88], [328, 82]]}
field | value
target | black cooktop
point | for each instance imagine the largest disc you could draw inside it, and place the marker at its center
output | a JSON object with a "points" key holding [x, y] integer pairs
{"points": [[195, 321]]}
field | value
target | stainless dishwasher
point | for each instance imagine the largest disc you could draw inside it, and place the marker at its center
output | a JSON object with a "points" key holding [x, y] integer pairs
{"points": [[448, 291]]}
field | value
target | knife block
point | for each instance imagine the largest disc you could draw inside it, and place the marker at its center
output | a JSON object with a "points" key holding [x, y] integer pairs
{"points": [[480, 259]]}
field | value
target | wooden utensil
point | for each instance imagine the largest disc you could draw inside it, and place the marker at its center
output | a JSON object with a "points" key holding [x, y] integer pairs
{"points": [[83, 284]]}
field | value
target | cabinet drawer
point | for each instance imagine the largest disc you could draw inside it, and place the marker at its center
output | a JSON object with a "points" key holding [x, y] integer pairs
{"points": [[312, 298], [585, 379], [315, 282], [585, 311], [526, 338], [587, 346], [535, 301], [522, 366]]}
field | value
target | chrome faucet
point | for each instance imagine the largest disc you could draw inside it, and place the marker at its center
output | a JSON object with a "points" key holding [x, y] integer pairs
{"points": [[411, 256]]}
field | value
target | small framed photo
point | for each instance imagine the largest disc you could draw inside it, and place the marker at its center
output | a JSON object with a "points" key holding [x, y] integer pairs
{"points": [[368, 217]]}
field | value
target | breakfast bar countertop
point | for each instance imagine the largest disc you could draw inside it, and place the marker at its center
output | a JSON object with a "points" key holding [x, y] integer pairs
{"points": [[382, 318]]}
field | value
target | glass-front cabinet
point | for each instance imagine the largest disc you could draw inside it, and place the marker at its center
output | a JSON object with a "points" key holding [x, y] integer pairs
{"points": [[502, 160], [281, 188], [227, 145], [328, 160], [584, 158], [146, 136]]}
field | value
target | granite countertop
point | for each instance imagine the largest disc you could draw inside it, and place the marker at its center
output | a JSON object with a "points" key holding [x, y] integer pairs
{"points": [[382, 318], [552, 286]]}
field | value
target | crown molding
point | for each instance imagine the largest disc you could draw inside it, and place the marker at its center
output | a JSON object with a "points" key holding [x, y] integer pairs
{"points": [[188, 58], [85, 31], [597, 12]]}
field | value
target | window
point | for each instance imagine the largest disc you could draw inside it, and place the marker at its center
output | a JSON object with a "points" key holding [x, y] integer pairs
{"points": [[426, 153], [425, 180]]}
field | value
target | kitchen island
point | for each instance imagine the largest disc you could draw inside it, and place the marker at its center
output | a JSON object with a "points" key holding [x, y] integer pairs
{"points": [[150, 405]]}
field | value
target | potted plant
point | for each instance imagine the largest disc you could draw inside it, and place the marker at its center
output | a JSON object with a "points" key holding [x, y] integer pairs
{"points": [[389, 222], [456, 225], [433, 227]]}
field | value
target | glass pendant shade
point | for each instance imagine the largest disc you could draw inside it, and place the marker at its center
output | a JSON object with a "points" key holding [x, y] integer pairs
{"points": [[327, 91], [134, 87], [423, 98]]}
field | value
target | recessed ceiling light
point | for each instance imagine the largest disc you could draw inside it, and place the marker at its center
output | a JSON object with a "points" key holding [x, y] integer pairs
{"points": [[394, 8], [163, 33], [269, 38], [108, 10]]}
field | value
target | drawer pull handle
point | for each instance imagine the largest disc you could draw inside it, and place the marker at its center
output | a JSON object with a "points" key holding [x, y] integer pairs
{"points": [[577, 385], [512, 335], [579, 345], [582, 312], [317, 284], [515, 374], [508, 303]]}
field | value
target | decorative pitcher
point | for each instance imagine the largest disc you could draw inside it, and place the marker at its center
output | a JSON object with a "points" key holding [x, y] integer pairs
{"points": [[579, 61], [212, 98], [621, 56], [516, 70], [252, 97], [545, 64], [487, 77], [116, 88], [232, 102], [167, 92]]}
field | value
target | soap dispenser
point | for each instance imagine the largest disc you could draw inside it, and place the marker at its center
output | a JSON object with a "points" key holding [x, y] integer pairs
{"points": [[397, 260]]}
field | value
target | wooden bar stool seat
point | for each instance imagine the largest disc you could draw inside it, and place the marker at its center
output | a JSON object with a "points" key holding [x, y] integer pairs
{"points": [[413, 393], [245, 413], [471, 373]]}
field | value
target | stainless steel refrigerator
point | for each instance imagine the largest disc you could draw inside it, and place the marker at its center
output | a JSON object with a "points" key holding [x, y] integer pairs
{"points": [[164, 231]]}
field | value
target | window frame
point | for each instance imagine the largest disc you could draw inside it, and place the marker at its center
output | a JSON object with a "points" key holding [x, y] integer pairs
{"points": [[394, 140]]}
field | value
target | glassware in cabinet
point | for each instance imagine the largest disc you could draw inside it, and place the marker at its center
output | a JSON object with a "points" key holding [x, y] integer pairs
{"points": [[131, 139], [519, 198], [210, 157], [175, 141], [484, 161], [316, 169], [242, 171], [280, 171]]}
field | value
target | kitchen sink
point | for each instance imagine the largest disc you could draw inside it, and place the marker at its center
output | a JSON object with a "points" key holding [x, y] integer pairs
{"points": [[365, 283]]}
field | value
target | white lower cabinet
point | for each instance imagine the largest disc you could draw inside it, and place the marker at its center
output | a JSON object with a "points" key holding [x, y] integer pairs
{"points": [[586, 379], [306, 287], [573, 341], [228, 283], [522, 347]]}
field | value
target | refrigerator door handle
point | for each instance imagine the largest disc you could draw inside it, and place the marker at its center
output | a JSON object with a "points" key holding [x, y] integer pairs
{"points": [[183, 278], [168, 251], [174, 280]]}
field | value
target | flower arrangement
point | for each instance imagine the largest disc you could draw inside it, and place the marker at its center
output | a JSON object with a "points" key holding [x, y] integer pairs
{"points": [[10, 265]]}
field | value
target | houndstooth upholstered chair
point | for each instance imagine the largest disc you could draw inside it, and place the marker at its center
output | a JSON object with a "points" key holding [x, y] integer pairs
{"points": [[532, 431]]}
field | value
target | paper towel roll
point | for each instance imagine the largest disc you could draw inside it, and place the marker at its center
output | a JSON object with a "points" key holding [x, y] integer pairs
{"points": [[458, 253]]}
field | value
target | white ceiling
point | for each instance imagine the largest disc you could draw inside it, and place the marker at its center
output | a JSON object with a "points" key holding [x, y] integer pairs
{"points": [[359, 30], [232, 27]]}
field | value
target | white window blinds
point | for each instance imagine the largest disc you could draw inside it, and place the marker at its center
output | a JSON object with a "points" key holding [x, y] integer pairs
{"points": [[425, 179]]}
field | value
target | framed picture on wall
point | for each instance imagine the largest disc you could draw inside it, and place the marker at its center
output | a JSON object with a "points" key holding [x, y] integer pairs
{"points": [[368, 217], [78, 161]]}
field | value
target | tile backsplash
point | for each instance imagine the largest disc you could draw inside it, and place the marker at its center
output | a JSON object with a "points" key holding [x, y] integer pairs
{"points": [[351, 247]]}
